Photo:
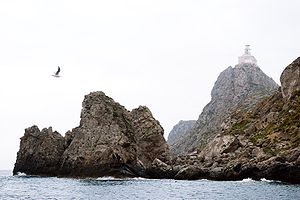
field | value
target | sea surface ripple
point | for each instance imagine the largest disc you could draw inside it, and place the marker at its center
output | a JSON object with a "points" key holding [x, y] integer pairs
{"points": [[36, 187]]}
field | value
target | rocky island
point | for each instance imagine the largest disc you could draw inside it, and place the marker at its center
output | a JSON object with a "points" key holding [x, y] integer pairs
{"points": [[250, 129], [110, 141]]}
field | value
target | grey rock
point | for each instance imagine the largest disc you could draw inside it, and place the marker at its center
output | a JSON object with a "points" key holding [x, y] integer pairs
{"points": [[216, 172], [239, 87], [40, 152], [290, 79], [110, 141], [179, 130], [192, 173], [280, 171], [220, 145], [149, 136], [159, 169], [104, 143], [256, 141]]}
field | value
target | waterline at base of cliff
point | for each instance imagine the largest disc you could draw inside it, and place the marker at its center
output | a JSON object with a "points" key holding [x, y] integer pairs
{"points": [[35, 187]]}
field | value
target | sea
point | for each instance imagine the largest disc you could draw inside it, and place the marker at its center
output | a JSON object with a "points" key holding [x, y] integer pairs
{"points": [[36, 187]]}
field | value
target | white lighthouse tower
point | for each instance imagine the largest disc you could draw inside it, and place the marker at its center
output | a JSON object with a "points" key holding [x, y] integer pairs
{"points": [[247, 57]]}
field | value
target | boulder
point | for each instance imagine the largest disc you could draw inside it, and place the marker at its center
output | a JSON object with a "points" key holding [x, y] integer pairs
{"points": [[220, 145], [290, 79], [159, 169], [192, 173]]}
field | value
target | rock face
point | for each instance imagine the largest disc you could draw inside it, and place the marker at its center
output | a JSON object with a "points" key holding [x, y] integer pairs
{"points": [[110, 141], [238, 87], [179, 130], [39, 152], [262, 141], [290, 79], [149, 137]]}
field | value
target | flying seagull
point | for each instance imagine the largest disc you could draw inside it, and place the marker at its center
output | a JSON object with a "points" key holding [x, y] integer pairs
{"points": [[56, 74]]}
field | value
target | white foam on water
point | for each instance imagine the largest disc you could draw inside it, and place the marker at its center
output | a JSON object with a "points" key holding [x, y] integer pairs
{"points": [[246, 180], [21, 174], [110, 178], [107, 178], [269, 181]]}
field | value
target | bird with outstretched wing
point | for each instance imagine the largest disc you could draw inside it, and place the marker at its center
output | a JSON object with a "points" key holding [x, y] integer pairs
{"points": [[56, 74]]}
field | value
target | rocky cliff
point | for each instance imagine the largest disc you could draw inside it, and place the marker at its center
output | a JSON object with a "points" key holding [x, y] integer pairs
{"points": [[261, 141], [238, 87], [110, 141], [179, 130]]}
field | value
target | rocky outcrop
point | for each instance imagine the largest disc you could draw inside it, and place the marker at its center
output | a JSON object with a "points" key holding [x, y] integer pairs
{"points": [[239, 87], [179, 130], [149, 137], [262, 141], [104, 143], [40, 152], [259, 144], [290, 79], [110, 141]]}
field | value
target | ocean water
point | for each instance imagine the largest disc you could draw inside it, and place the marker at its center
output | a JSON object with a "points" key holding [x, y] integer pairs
{"points": [[35, 187]]}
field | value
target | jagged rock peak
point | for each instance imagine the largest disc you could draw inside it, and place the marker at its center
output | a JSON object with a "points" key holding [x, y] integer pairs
{"points": [[179, 130], [143, 112], [235, 83], [240, 86], [149, 137], [110, 141], [126, 142], [97, 108], [144, 121], [290, 79]]}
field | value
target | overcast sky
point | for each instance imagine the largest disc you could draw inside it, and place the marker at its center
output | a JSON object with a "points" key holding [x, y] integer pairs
{"points": [[164, 54]]}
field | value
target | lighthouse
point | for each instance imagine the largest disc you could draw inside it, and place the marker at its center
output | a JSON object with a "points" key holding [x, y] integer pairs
{"points": [[247, 57]]}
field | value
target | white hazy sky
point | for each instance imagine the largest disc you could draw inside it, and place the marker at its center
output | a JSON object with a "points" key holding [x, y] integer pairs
{"points": [[165, 54]]}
